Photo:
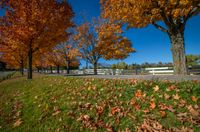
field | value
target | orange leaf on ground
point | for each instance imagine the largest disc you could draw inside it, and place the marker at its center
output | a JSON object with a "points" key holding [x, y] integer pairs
{"points": [[138, 93], [194, 99], [152, 105], [115, 110], [163, 113], [17, 123]]}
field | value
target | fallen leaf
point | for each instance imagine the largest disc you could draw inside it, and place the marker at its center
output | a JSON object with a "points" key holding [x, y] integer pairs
{"points": [[163, 114], [99, 110], [56, 113], [156, 88], [172, 87], [152, 105], [166, 107], [115, 110], [194, 99], [176, 97], [18, 113], [138, 93], [182, 103], [196, 106], [150, 126], [182, 114], [17, 123], [146, 111], [193, 111], [167, 96], [137, 106]]}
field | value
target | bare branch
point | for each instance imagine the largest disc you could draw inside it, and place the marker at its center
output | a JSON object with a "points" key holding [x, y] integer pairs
{"points": [[192, 12], [160, 27]]}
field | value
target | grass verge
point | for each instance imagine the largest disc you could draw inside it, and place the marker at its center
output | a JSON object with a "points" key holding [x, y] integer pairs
{"points": [[84, 104]]}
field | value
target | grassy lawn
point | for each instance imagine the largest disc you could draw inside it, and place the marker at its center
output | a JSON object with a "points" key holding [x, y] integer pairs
{"points": [[84, 104]]}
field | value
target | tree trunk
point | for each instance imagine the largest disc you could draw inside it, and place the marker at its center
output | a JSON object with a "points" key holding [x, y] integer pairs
{"points": [[22, 68], [51, 69], [86, 65], [38, 69], [178, 52], [30, 53], [95, 68], [58, 69], [68, 66]]}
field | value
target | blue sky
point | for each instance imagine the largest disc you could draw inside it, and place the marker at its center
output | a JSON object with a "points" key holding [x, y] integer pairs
{"points": [[151, 44]]}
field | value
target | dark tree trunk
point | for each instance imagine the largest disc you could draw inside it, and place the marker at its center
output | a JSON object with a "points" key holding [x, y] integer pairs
{"points": [[30, 53], [95, 68], [38, 69], [51, 69], [86, 65], [68, 66], [178, 52], [58, 69], [22, 68]]}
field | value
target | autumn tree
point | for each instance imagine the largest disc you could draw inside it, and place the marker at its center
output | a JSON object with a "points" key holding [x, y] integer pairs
{"points": [[87, 43], [37, 24], [70, 52], [95, 45], [13, 52], [14, 59], [40, 60], [54, 58], [173, 13]]}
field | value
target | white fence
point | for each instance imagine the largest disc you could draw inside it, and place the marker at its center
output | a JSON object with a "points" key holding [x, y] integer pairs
{"points": [[137, 71], [160, 70], [154, 71]]}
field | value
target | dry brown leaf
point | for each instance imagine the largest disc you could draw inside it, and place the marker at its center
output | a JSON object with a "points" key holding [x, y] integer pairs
{"points": [[146, 111], [18, 113], [167, 96], [193, 111], [176, 97], [182, 103], [17, 123], [196, 106], [163, 114], [156, 88], [150, 126], [182, 114], [56, 113]]}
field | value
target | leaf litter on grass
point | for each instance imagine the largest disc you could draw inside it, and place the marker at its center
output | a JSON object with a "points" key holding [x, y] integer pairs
{"points": [[111, 105]]}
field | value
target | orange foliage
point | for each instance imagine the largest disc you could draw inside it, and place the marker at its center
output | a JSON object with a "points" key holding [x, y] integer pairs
{"points": [[140, 13], [36, 25]]}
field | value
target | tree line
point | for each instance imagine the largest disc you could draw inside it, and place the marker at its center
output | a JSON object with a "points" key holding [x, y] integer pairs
{"points": [[37, 34]]}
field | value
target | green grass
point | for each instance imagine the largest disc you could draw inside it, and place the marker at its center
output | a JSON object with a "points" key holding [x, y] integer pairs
{"points": [[84, 104]]}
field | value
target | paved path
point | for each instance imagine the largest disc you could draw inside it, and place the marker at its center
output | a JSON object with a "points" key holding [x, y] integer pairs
{"points": [[144, 77]]}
